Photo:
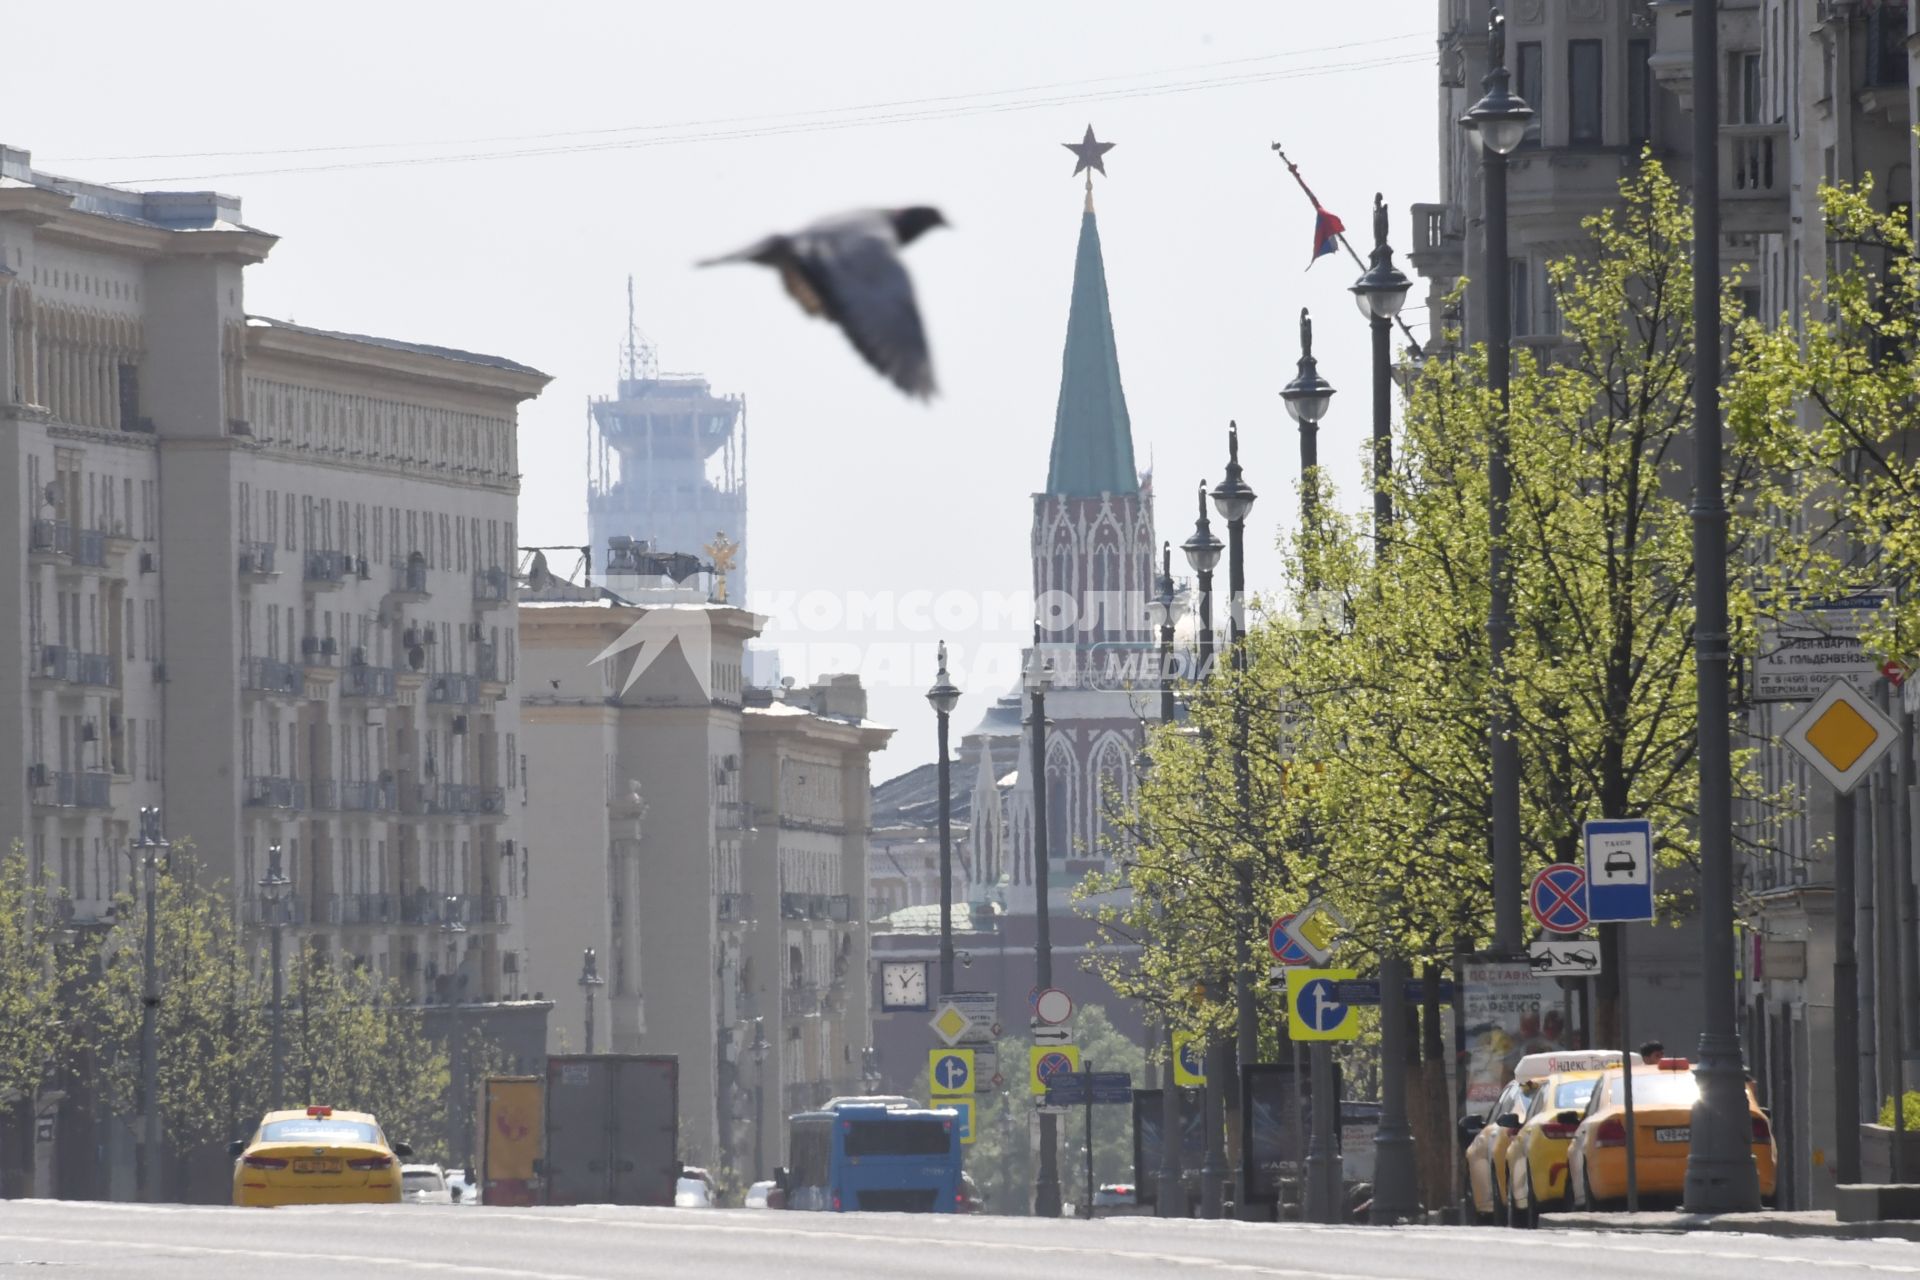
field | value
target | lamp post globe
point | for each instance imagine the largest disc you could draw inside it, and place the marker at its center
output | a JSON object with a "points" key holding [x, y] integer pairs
{"points": [[1499, 120], [1233, 497], [1203, 549], [1309, 395], [1383, 289]]}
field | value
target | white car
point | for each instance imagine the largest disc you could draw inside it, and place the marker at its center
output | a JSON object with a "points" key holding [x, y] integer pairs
{"points": [[761, 1195], [424, 1184], [693, 1192]]}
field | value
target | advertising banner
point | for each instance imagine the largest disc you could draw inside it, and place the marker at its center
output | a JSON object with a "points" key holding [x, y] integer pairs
{"points": [[1509, 1012]]}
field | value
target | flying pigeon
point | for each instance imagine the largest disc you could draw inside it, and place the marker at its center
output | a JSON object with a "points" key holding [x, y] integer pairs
{"points": [[848, 269]]}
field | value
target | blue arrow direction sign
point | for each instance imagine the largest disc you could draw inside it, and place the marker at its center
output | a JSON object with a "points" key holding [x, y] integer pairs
{"points": [[1367, 990], [1619, 869], [951, 1073], [1069, 1089]]}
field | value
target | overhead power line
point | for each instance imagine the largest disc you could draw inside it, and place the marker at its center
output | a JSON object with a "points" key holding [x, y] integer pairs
{"points": [[948, 107]]}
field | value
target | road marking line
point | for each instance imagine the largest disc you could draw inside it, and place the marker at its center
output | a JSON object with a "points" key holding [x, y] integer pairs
{"points": [[306, 1254]]}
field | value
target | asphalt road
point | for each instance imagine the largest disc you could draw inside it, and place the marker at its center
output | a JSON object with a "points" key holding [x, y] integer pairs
{"points": [[143, 1242]]}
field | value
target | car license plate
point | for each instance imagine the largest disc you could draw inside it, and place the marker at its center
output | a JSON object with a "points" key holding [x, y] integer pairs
{"points": [[1673, 1135], [316, 1166]]}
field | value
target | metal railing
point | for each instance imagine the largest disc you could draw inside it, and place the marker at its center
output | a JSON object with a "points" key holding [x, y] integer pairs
{"points": [[410, 577], [424, 907], [369, 797], [90, 548], [733, 906], [256, 558], [59, 662], [275, 793], [800, 1001], [290, 909], [454, 689], [367, 682], [840, 907], [323, 794], [365, 908], [50, 537], [326, 566], [91, 789], [490, 586], [270, 675]]}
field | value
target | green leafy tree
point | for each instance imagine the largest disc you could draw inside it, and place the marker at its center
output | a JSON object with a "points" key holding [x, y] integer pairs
{"points": [[41, 967]]}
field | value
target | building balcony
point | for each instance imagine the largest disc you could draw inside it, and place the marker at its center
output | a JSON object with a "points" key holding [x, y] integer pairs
{"points": [[839, 908], [353, 909], [323, 794], [90, 789], [409, 581], [734, 907], [424, 908], [326, 570], [1753, 178], [272, 676], [369, 797], [1438, 241], [492, 588], [89, 549], [815, 906], [275, 793], [291, 908], [49, 540], [319, 651], [362, 681], [800, 1001], [257, 562], [453, 689], [70, 666]]}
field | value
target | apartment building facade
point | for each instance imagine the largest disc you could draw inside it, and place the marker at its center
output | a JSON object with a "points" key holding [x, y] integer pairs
{"points": [[262, 577], [1811, 91], [707, 841]]}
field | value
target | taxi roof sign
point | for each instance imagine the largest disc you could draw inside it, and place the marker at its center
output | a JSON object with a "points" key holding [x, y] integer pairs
{"points": [[1538, 1066]]}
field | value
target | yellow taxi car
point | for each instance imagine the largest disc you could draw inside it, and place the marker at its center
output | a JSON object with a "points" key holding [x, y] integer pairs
{"points": [[317, 1156], [1537, 1152], [1663, 1098], [1486, 1146]]}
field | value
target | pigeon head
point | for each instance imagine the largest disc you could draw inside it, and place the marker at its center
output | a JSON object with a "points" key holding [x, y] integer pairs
{"points": [[908, 223]]}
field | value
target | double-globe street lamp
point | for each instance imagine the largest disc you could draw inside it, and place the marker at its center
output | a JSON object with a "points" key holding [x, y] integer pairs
{"points": [[1498, 122], [273, 893], [943, 697], [1380, 293], [1203, 550]]}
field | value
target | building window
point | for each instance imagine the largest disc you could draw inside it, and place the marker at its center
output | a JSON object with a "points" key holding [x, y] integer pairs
{"points": [[1528, 66], [1521, 295], [1743, 89], [1583, 93], [1639, 93]]}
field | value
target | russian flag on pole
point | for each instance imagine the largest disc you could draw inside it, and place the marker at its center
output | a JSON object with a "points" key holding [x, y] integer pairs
{"points": [[1326, 233]]}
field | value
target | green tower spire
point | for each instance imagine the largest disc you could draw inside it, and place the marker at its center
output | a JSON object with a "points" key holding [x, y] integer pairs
{"points": [[1092, 435]]}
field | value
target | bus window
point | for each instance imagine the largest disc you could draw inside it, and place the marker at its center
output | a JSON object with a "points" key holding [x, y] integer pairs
{"points": [[898, 1137]]}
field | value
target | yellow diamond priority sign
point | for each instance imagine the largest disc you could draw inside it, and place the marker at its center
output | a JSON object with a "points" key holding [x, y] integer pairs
{"points": [[950, 1024], [1842, 735]]}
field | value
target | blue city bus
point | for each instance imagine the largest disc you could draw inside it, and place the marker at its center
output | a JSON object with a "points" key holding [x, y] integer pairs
{"points": [[874, 1156]]}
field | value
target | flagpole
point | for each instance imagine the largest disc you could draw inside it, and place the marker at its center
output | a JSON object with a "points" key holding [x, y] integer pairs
{"points": [[1341, 236]]}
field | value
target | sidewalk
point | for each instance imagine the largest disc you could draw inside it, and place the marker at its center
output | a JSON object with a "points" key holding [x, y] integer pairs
{"points": [[1807, 1223]]}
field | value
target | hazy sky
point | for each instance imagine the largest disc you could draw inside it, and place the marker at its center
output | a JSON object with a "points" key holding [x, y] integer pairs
{"points": [[651, 134]]}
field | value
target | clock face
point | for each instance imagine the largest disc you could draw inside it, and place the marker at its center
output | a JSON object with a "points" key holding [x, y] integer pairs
{"points": [[903, 985]]}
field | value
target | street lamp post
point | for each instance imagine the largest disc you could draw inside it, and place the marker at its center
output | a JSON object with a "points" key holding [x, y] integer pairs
{"points": [[590, 980], [1721, 1177], [1046, 1187], [459, 1128], [1202, 550], [1499, 122], [151, 842], [1170, 1201], [1233, 498], [759, 1049], [944, 697], [273, 889], [1381, 292]]}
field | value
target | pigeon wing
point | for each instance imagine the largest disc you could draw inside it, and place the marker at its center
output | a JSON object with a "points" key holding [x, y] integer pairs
{"points": [[863, 287]]}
